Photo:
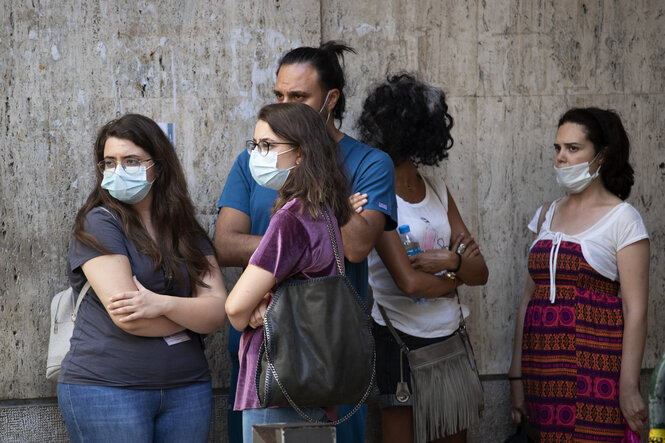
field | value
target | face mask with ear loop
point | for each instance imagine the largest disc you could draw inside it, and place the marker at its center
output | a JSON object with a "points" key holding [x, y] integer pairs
{"points": [[264, 169], [575, 179], [324, 107], [127, 186]]}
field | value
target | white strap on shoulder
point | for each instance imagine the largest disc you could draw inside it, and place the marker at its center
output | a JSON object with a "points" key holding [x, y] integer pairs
{"points": [[543, 213], [84, 291]]}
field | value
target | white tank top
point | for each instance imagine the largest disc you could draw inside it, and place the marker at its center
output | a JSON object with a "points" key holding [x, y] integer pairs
{"points": [[420, 317]]}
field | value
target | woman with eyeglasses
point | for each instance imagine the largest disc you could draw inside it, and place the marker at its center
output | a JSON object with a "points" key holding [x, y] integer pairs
{"points": [[136, 370], [291, 152]]}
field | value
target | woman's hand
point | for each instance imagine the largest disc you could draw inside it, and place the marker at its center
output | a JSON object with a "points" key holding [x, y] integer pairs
{"points": [[434, 260], [357, 201], [137, 304], [256, 318], [633, 408], [517, 407], [437, 260], [466, 245]]}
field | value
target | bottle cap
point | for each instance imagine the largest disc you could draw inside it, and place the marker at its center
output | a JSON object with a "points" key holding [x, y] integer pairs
{"points": [[404, 229]]}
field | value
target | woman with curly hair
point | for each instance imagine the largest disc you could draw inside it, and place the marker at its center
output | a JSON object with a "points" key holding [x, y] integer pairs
{"points": [[409, 120], [581, 325]]}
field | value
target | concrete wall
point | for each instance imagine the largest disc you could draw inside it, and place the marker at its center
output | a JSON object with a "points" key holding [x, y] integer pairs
{"points": [[510, 68]]}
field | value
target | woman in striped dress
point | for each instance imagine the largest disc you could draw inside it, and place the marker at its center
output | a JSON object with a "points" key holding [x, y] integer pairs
{"points": [[581, 325]]}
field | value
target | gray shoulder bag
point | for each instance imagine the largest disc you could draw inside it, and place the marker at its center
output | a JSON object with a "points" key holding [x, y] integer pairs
{"points": [[447, 393]]}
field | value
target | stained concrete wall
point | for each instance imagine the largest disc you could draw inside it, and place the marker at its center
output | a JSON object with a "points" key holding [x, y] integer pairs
{"points": [[509, 68]]}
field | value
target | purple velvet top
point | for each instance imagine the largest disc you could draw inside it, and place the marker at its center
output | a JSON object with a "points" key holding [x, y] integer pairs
{"points": [[294, 247]]}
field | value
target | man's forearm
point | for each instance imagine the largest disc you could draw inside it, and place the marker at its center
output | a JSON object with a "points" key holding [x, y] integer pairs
{"points": [[361, 233], [235, 249]]}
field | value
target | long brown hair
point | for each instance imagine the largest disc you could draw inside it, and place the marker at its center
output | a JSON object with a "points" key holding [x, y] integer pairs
{"points": [[318, 179], [172, 211]]}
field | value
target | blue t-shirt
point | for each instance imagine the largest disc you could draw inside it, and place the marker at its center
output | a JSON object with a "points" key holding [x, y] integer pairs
{"points": [[370, 171]]}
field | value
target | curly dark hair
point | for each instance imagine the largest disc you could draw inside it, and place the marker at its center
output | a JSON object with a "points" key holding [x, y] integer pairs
{"points": [[604, 129], [408, 119]]}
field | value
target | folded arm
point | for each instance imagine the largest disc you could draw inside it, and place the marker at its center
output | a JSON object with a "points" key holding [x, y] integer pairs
{"points": [[409, 280], [234, 244], [202, 313], [473, 270], [111, 274], [247, 294], [361, 233]]}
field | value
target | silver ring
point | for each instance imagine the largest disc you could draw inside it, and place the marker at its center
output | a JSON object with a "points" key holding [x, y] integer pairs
{"points": [[461, 248]]}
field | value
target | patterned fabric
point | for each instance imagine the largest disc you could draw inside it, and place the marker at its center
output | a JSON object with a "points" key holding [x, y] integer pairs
{"points": [[571, 355]]}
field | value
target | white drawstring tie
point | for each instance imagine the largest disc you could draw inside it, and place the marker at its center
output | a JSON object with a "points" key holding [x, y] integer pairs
{"points": [[554, 254]]}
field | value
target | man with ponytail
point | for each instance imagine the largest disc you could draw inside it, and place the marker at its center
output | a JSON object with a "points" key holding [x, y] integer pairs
{"points": [[315, 77]]}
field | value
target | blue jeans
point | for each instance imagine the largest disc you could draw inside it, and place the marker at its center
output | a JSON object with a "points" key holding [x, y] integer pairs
{"points": [[251, 417], [101, 413], [352, 430], [234, 418]]}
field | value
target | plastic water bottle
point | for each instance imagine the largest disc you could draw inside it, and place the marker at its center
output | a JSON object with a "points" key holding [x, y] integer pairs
{"points": [[410, 245]]}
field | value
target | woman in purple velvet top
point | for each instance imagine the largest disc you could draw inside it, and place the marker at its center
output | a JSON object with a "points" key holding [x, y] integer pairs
{"points": [[291, 152]]}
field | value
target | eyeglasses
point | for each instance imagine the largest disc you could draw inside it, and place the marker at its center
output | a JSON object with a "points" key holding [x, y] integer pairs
{"points": [[263, 146], [130, 165]]}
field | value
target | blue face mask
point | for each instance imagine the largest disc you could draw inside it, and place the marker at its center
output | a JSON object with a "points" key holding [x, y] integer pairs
{"points": [[264, 169], [127, 186]]}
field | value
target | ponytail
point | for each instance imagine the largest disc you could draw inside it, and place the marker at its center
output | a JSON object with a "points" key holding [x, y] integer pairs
{"points": [[326, 60]]}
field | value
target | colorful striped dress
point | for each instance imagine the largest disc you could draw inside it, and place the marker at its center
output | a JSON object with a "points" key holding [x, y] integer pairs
{"points": [[572, 337]]}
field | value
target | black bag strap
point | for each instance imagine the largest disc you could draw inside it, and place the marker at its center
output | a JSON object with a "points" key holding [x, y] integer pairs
{"points": [[271, 367], [402, 346]]}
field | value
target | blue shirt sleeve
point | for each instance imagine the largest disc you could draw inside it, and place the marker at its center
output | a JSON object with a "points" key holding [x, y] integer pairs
{"points": [[237, 189], [372, 172], [241, 192]]}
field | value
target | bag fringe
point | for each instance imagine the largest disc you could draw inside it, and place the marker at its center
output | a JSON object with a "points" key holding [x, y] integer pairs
{"points": [[446, 399]]}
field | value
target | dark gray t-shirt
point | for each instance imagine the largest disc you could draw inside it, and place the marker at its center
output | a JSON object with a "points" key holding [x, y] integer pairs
{"points": [[101, 353]]}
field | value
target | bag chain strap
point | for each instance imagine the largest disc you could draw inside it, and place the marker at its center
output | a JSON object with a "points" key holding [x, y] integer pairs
{"points": [[272, 369], [333, 240]]}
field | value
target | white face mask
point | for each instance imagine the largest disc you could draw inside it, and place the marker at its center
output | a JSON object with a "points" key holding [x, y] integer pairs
{"points": [[264, 169], [127, 186], [575, 179]]}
